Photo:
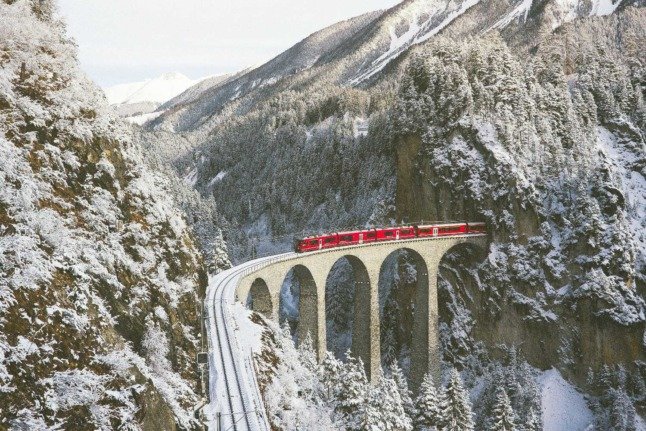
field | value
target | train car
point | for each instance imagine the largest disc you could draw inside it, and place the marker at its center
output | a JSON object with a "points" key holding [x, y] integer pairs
{"points": [[349, 238], [309, 243], [442, 230], [476, 228], [395, 233]]}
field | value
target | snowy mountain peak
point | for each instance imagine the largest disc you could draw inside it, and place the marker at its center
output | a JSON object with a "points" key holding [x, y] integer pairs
{"points": [[157, 90], [174, 76]]}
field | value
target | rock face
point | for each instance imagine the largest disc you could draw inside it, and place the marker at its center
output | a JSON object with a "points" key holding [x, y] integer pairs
{"points": [[99, 275]]}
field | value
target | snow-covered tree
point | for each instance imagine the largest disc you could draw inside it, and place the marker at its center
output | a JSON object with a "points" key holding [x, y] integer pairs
{"points": [[307, 354], [427, 405], [384, 409], [398, 377], [329, 374], [352, 391], [533, 421], [456, 413], [622, 412], [503, 417]]}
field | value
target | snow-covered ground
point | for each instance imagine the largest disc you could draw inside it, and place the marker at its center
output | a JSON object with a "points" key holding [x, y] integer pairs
{"points": [[564, 408]]}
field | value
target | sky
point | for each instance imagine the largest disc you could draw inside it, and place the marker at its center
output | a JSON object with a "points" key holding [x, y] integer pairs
{"points": [[124, 41]]}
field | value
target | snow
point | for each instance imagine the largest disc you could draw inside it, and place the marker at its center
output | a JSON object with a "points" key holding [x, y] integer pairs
{"points": [[144, 118], [416, 33], [522, 9], [219, 177], [631, 182], [564, 408], [160, 89], [604, 7], [191, 178], [249, 333], [245, 339]]}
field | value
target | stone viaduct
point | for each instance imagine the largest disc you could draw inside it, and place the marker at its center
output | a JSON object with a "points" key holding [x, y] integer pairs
{"points": [[263, 285]]}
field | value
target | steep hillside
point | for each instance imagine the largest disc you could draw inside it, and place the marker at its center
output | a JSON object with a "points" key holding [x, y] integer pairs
{"points": [[99, 274], [551, 155]]}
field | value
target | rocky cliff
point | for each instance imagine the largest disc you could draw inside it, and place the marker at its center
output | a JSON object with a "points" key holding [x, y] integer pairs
{"points": [[99, 274]]}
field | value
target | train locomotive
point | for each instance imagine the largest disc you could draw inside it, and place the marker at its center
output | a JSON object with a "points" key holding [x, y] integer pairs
{"points": [[342, 239]]}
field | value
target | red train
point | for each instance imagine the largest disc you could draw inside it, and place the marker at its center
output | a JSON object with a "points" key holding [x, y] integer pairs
{"points": [[341, 239]]}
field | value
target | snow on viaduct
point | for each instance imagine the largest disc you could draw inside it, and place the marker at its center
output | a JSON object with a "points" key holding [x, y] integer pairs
{"points": [[263, 285]]}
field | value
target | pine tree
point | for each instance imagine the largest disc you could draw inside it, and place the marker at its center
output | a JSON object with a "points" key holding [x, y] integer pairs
{"points": [[503, 417], [622, 412], [427, 404], [329, 374], [404, 392], [456, 412], [352, 392], [383, 409], [307, 353]]}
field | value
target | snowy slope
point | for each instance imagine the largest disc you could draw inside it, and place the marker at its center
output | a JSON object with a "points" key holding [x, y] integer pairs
{"points": [[158, 90], [98, 271], [564, 408], [411, 24]]}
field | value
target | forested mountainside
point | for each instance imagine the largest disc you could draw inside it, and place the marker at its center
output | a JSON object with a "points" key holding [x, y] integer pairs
{"points": [[99, 274], [549, 152], [527, 115]]}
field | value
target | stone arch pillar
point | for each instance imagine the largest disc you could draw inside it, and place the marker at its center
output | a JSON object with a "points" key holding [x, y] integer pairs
{"points": [[261, 299], [425, 347], [308, 306], [365, 332]]}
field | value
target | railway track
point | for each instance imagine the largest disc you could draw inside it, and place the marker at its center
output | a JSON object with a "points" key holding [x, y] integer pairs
{"points": [[232, 384]]}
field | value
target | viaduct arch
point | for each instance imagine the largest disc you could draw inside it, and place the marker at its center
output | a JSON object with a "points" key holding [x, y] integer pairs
{"points": [[264, 283]]}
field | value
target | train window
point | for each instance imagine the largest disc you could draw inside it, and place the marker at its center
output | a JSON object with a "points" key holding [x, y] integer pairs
{"points": [[388, 233], [405, 232], [346, 238], [313, 242], [371, 234], [329, 240]]}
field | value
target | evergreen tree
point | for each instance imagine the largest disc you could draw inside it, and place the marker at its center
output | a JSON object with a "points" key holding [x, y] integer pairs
{"points": [[352, 392], [307, 353], [427, 405], [503, 418], [622, 412], [456, 413], [329, 374], [404, 392], [384, 409]]}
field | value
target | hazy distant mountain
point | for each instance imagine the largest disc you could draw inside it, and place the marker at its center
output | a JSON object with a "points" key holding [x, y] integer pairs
{"points": [[138, 101], [158, 90]]}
